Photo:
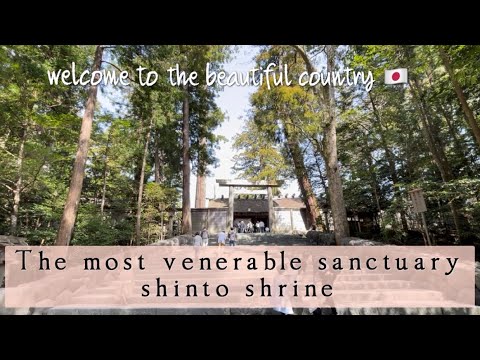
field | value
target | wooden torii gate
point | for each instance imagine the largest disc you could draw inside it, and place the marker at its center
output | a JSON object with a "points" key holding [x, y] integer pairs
{"points": [[232, 184]]}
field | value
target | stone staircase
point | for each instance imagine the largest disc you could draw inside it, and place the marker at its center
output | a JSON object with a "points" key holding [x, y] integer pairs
{"points": [[369, 287], [270, 239], [372, 288]]}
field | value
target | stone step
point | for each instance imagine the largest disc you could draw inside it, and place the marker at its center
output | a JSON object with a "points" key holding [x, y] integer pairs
{"points": [[97, 299], [368, 285], [389, 295], [256, 311], [371, 298], [11, 311], [411, 311], [135, 311], [363, 277]]}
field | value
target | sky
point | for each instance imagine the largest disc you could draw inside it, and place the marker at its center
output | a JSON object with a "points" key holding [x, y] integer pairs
{"points": [[234, 102]]}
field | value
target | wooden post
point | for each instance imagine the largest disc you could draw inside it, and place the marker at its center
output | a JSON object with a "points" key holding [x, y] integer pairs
{"points": [[327, 224], [208, 221], [170, 224], [426, 228], [161, 226], [291, 220], [271, 211], [231, 196], [419, 206], [357, 220]]}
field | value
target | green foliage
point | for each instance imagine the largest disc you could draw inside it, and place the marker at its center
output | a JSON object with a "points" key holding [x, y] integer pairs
{"points": [[258, 158], [94, 229], [382, 137], [46, 117], [161, 197], [383, 144]]}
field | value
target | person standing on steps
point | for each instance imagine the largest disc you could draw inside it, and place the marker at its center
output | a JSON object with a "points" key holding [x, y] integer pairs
{"points": [[197, 242], [221, 238], [204, 236], [232, 239], [241, 226]]}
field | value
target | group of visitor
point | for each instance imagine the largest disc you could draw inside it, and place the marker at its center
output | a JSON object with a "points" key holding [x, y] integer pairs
{"points": [[231, 236], [258, 227], [201, 238]]}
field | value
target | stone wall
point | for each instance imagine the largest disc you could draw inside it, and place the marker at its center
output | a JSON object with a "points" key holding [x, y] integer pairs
{"points": [[180, 240], [213, 219], [320, 238], [289, 221]]}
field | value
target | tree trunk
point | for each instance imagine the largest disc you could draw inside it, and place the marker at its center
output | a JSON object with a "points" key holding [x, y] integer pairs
{"points": [[320, 174], [324, 207], [337, 203], [302, 176], [201, 188], [158, 157], [391, 162], [186, 211], [472, 122], [439, 156], [200, 194], [157, 167], [437, 152], [375, 187], [104, 173], [161, 226], [458, 140], [170, 224], [451, 129], [138, 223], [17, 190], [76, 183]]}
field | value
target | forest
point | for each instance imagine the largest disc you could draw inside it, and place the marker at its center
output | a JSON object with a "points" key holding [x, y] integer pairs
{"points": [[74, 173]]}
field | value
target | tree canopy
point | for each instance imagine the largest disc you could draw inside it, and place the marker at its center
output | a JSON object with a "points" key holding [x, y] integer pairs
{"points": [[351, 150]]}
